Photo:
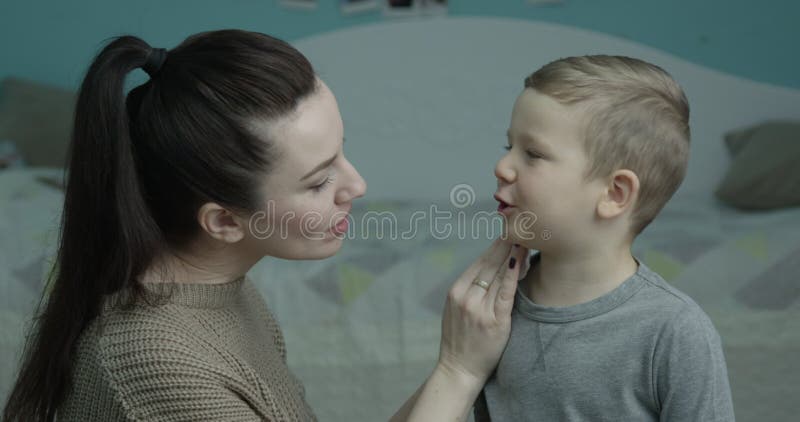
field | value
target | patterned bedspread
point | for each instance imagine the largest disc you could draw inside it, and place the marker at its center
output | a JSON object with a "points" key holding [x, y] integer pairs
{"points": [[362, 328]]}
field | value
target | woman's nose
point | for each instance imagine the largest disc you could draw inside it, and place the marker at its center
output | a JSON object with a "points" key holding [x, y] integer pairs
{"points": [[355, 187]]}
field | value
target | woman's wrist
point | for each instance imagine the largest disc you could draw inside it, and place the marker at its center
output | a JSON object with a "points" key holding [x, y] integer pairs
{"points": [[460, 380], [448, 394]]}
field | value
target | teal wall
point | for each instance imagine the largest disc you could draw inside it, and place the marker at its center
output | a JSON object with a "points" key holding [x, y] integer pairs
{"points": [[52, 41]]}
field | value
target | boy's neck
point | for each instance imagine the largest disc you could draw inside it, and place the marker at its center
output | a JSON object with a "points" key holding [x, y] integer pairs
{"points": [[558, 281]]}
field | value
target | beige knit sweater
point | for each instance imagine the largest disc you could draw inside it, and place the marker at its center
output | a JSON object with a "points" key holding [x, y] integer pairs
{"points": [[213, 353]]}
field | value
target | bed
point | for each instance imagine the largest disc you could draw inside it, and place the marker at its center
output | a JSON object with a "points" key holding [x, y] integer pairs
{"points": [[362, 328]]}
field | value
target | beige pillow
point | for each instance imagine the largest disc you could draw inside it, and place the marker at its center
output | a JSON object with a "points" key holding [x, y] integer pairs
{"points": [[765, 171], [38, 119]]}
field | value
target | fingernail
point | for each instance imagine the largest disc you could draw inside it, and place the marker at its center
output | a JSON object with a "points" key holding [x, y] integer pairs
{"points": [[512, 263]]}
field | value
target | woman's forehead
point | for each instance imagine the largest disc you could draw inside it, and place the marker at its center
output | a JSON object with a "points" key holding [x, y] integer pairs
{"points": [[308, 135]]}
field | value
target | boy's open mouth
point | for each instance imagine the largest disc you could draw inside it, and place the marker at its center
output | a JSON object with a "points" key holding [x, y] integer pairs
{"points": [[503, 204]]}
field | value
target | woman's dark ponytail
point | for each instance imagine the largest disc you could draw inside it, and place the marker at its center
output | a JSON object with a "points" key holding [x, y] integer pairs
{"points": [[106, 240]]}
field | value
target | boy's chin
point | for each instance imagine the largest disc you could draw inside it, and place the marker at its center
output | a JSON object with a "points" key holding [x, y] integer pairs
{"points": [[530, 240], [526, 243]]}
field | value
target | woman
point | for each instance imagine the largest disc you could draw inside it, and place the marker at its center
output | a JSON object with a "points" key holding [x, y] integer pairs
{"points": [[174, 192]]}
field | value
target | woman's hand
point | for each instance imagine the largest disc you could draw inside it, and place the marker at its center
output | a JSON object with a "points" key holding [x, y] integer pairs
{"points": [[475, 328], [477, 320]]}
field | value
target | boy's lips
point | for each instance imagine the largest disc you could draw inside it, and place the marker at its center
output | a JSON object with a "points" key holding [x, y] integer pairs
{"points": [[504, 206]]}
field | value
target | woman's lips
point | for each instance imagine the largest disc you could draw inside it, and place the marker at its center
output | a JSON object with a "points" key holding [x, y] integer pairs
{"points": [[341, 227]]}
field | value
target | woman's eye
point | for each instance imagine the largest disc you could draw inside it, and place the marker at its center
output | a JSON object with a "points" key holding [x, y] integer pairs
{"points": [[321, 186]]}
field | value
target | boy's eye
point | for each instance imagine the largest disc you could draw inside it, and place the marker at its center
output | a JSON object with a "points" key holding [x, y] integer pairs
{"points": [[533, 155]]}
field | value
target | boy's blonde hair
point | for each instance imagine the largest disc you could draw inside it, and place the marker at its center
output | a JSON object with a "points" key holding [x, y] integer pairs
{"points": [[637, 118]]}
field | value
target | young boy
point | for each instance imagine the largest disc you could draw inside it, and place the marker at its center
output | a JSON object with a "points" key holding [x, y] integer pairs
{"points": [[596, 147]]}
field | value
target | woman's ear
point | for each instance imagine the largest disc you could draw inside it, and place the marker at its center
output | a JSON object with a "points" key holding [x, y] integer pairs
{"points": [[620, 194], [220, 223]]}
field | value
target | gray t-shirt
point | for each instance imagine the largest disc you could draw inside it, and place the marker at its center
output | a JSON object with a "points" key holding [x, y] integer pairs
{"points": [[642, 352]]}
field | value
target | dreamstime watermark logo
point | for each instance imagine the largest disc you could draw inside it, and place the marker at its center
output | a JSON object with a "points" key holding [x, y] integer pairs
{"points": [[462, 196], [434, 221]]}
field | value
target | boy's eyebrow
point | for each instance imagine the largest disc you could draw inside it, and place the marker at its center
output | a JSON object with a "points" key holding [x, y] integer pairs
{"points": [[530, 138]]}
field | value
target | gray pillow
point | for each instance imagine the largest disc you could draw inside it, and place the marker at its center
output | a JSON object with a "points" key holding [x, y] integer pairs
{"points": [[765, 171], [38, 119]]}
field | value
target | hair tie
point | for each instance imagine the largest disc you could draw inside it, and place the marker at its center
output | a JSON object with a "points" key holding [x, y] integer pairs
{"points": [[154, 61]]}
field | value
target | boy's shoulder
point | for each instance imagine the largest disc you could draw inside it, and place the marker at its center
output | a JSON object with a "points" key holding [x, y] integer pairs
{"points": [[664, 302], [658, 289]]}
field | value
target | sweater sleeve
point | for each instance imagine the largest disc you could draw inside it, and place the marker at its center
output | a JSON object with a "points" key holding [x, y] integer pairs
{"points": [[160, 374], [691, 378]]}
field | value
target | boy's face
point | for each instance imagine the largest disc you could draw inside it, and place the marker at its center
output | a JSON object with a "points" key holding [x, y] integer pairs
{"points": [[540, 181]]}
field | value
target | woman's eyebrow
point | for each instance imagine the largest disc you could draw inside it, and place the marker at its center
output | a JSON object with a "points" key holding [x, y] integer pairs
{"points": [[321, 165]]}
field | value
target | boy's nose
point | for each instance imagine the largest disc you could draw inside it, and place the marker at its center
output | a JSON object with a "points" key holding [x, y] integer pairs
{"points": [[503, 171]]}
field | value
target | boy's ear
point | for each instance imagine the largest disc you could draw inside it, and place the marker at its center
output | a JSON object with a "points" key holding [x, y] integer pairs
{"points": [[220, 223], [620, 194]]}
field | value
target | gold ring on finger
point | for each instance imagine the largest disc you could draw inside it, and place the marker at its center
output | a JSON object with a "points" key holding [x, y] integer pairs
{"points": [[482, 284]]}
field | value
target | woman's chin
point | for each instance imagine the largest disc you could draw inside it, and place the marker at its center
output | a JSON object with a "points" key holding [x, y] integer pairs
{"points": [[327, 252], [319, 249]]}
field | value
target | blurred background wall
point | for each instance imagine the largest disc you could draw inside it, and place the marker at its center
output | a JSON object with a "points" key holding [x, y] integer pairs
{"points": [[52, 41]]}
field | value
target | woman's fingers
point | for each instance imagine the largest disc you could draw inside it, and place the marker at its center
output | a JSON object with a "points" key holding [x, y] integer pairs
{"points": [[491, 294], [476, 320], [501, 294], [497, 251], [515, 253], [491, 268]]}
